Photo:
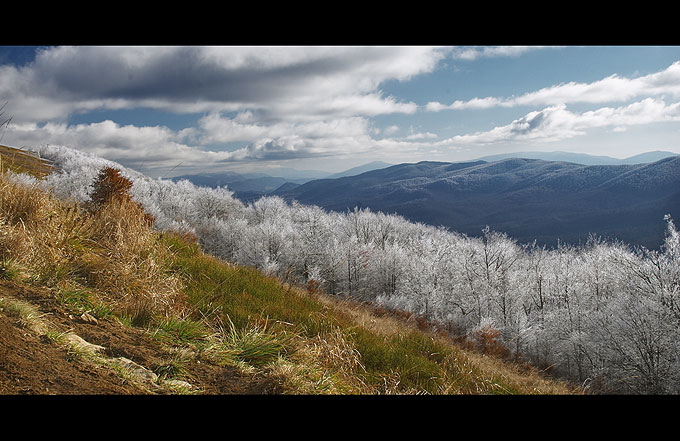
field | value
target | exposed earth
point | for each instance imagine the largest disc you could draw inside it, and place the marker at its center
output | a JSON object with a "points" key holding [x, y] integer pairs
{"points": [[33, 363]]}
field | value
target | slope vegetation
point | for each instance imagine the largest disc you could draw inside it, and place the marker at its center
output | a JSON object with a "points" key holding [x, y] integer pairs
{"points": [[94, 300]]}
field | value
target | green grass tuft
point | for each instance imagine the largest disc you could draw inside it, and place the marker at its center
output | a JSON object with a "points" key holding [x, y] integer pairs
{"points": [[8, 269], [181, 331], [256, 345]]}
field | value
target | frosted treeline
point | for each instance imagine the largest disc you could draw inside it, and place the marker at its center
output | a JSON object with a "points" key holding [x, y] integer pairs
{"points": [[601, 314]]}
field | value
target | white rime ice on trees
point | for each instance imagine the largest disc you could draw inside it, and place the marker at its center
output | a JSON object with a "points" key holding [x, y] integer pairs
{"points": [[600, 314]]}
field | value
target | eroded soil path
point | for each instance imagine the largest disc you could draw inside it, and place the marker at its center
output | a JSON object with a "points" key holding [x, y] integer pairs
{"points": [[33, 363]]}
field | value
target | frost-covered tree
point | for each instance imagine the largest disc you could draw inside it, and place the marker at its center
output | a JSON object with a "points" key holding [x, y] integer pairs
{"points": [[215, 202], [315, 234], [222, 237]]}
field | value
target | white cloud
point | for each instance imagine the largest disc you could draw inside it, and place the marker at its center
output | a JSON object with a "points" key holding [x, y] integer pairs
{"points": [[391, 130], [474, 103], [475, 52], [129, 145], [278, 82], [425, 135], [290, 102], [609, 89], [215, 128], [285, 102], [557, 123], [151, 147], [414, 136]]}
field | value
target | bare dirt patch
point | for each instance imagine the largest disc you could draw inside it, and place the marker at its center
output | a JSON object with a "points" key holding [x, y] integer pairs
{"points": [[34, 364]]}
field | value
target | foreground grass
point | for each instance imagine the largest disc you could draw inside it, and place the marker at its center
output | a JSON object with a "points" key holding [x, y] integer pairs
{"points": [[339, 345], [106, 259]]}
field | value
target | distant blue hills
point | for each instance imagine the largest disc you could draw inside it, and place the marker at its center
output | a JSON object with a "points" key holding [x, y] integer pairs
{"points": [[254, 185], [529, 199], [375, 165], [542, 196]]}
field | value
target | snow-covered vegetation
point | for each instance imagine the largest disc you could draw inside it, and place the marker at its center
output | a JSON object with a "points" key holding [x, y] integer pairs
{"points": [[602, 314]]}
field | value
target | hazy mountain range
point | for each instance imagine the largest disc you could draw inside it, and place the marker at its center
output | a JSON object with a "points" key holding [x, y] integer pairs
{"points": [[531, 196], [253, 185], [530, 199]]}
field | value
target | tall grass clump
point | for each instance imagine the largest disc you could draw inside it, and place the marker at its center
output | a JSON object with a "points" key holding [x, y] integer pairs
{"points": [[26, 215], [8, 270], [107, 245], [256, 345]]}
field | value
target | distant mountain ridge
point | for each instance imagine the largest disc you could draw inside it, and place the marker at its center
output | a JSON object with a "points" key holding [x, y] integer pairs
{"points": [[530, 199], [250, 186], [375, 165], [582, 158]]}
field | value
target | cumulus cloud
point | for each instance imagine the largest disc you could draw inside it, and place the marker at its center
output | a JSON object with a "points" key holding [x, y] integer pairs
{"points": [[277, 103], [391, 130], [556, 123], [610, 89], [137, 147], [290, 147], [277, 81], [332, 135], [157, 147], [474, 103], [413, 135], [289, 102]]}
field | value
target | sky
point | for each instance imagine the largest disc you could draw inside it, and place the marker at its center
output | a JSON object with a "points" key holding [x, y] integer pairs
{"points": [[171, 110]]}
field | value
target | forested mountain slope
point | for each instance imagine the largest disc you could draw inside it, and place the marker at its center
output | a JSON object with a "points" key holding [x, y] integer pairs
{"points": [[529, 199]]}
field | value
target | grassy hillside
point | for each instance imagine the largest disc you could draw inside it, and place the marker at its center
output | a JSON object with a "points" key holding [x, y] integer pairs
{"points": [[95, 289], [23, 161]]}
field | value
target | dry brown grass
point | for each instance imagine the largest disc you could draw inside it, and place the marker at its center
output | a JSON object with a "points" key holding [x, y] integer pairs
{"points": [[23, 161], [332, 362], [110, 248], [129, 265]]}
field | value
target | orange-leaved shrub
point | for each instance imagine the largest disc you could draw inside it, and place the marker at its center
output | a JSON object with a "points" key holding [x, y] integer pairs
{"points": [[485, 339], [111, 186]]}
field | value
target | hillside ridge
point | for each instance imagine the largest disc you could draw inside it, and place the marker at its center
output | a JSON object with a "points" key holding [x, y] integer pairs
{"points": [[71, 324]]}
